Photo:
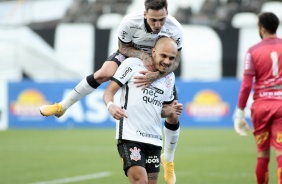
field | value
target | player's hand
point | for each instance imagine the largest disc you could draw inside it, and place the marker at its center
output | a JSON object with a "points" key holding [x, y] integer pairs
{"points": [[178, 107], [240, 124], [117, 112], [146, 79]]}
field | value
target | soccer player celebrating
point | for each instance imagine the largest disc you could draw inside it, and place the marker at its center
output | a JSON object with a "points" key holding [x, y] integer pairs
{"points": [[138, 126], [137, 35], [263, 63]]}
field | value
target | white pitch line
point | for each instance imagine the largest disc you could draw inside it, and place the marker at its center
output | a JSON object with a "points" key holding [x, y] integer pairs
{"points": [[76, 178]]}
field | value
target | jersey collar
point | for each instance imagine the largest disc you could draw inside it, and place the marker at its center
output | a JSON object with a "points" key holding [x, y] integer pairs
{"points": [[147, 27]]}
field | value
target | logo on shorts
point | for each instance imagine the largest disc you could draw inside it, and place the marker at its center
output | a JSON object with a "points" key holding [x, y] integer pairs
{"points": [[279, 137], [135, 154], [261, 137], [153, 160]]}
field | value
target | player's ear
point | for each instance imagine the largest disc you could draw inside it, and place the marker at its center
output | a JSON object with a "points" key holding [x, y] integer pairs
{"points": [[145, 14], [153, 51]]}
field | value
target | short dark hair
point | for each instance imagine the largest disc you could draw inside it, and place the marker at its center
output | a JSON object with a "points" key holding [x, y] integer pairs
{"points": [[268, 21], [155, 4]]}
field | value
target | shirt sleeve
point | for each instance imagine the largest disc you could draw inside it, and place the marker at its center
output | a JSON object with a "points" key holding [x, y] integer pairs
{"points": [[124, 72], [249, 67], [245, 90], [178, 37], [124, 33]]}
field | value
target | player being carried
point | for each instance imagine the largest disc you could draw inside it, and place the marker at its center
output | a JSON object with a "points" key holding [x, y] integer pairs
{"points": [[137, 35]]}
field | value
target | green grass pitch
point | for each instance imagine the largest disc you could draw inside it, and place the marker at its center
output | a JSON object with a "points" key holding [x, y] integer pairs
{"points": [[203, 156]]}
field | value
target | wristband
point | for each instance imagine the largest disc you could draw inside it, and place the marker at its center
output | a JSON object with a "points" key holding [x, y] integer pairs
{"points": [[108, 105]]}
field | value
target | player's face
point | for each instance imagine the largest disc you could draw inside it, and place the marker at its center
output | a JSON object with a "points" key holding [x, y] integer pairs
{"points": [[164, 57], [155, 19]]}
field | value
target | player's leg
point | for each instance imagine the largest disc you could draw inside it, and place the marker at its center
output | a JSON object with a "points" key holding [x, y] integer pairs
{"points": [[261, 118], [262, 174], [153, 162], [137, 174], [276, 138], [134, 160], [84, 87], [171, 136]]}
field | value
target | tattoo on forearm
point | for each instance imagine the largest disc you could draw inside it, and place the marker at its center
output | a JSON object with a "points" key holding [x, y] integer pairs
{"points": [[129, 51], [153, 176]]}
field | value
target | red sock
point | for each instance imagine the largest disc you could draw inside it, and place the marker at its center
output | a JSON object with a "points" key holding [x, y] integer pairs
{"points": [[262, 170], [279, 169]]}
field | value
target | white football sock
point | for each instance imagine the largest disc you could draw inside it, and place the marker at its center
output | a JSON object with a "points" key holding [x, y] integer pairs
{"points": [[170, 143], [81, 90]]}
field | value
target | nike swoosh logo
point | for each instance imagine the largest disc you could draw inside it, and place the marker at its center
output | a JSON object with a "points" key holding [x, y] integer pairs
{"points": [[172, 142], [156, 166], [135, 36]]}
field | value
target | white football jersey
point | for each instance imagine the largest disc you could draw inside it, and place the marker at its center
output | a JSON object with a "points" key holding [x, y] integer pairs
{"points": [[143, 107], [132, 29]]}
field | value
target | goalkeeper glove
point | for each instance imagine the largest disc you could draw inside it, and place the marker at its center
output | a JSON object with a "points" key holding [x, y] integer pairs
{"points": [[240, 124]]}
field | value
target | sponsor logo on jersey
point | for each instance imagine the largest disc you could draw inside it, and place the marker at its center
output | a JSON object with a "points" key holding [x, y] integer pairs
{"points": [[151, 95], [136, 27], [144, 134], [135, 154], [128, 70]]}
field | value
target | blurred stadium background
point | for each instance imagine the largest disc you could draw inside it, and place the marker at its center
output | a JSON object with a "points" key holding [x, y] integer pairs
{"points": [[48, 46]]}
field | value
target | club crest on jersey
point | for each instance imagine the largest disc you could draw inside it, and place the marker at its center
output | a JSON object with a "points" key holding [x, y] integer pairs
{"points": [[135, 154], [167, 82]]}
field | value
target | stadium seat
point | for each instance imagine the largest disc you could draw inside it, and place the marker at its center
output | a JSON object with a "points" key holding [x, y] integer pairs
{"points": [[244, 19], [246, 22], [74, 46], [113, 41], [201, 54], [273, 6], [109, 20], [135, 6]]}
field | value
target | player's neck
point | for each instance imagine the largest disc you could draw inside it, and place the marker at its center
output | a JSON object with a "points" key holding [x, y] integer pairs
{"points": [[266, 36]]}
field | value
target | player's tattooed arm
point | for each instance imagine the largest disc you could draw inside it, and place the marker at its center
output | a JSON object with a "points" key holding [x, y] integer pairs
{"points": [[128, 50], [166, 111]]}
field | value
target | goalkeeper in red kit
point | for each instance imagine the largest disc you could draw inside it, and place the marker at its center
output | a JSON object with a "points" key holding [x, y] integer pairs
{"points": [[263, 73]]}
